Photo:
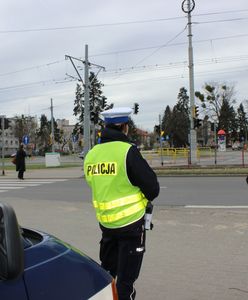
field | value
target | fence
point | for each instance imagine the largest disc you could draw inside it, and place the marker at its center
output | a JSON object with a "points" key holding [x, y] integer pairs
{"points": [[206, 156]]}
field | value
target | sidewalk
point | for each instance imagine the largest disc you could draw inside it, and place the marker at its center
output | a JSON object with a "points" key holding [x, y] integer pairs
{"points": [[70, 172]]}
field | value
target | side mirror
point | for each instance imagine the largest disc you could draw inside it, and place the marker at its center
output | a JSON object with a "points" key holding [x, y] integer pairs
{"points": [[11, 248]]}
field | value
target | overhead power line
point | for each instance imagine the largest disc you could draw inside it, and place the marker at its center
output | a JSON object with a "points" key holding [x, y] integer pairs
{"points": [[114, 23], [129, 50]]}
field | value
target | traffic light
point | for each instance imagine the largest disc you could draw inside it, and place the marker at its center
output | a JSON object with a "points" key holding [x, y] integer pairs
{"points": [[196, 112], [197, 123], [104, 102], [94, 117], [136, 108], [157, 129], [6, 123]]}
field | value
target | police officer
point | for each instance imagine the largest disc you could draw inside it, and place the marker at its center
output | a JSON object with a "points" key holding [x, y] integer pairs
{"points": [[122, 183]]}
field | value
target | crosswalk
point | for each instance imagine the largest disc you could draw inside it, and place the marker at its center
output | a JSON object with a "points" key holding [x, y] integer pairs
{"points": [[15, 184]]}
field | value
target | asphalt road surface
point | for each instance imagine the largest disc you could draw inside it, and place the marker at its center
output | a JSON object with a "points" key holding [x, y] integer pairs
{"points": [[174, 191], [193, 253]]}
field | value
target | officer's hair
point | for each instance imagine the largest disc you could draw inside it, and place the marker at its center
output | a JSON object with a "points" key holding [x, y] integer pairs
{"points": [[119, 127]]}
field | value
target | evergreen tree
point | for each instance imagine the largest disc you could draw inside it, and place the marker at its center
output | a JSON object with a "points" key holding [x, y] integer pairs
{"points": [[44, 135], [242, 122], [167, 122], [98, 103], [180, 122], [228, 121]]}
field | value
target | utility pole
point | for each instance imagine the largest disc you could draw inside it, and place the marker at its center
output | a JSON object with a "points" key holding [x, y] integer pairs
{"points": [[52, 126], [87, 144], [86, 84], [188, 6]]}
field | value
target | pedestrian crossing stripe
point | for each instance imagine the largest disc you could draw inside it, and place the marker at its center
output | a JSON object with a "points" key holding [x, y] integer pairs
{"points": [[14, 184]]}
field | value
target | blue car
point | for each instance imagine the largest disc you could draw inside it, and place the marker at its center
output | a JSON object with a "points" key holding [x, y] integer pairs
{"points": [[37, 266]]}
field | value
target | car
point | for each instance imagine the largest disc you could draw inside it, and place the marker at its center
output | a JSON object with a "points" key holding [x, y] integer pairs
{"points": [[35, 266], [236, 146]]}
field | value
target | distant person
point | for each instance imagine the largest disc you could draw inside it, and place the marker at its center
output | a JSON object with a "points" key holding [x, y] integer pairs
{"points": [[20, 161]]}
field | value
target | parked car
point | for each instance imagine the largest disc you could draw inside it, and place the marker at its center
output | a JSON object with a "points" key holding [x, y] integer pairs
{"points": [[236, 146], [37, 266]]}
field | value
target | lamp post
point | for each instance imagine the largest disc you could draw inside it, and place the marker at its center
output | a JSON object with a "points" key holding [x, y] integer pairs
{"points": [[187, 7]]}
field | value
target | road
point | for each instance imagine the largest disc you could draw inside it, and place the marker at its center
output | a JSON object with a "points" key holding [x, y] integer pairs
{"points": [[175, 191], [192, 253]]}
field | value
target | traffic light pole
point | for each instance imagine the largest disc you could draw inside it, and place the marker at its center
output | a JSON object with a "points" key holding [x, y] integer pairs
{"points": [[187, 7]]}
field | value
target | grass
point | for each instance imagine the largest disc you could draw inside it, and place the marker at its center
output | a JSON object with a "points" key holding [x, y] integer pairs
{"points": [[202, 171], [226, 170]]}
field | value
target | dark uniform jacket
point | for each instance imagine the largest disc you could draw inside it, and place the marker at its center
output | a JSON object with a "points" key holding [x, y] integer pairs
{"points": [[138, 171]]}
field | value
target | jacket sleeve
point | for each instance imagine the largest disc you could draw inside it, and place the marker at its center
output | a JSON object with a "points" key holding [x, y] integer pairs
{"points": [[141, 174]]}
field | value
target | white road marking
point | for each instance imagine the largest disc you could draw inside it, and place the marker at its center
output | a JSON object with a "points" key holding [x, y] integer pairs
{"points": [[15, 184], [22, 184], [216, 206], [12, 187]]}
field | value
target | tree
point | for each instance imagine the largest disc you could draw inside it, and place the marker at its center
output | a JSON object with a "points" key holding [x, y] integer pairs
{"points": [[44, 135], [242, 122], [25, 125], [132, 132], [213, 96], [180, 122], [167, 122], [227, 120], [98, 103]]}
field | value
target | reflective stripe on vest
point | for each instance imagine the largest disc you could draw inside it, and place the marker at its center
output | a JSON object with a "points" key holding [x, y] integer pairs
{"points": [[120, 215], [118, 202]]}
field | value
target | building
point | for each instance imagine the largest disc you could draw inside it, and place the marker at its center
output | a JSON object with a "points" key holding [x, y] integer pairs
{"points": [[67, 130], [11, 143]]}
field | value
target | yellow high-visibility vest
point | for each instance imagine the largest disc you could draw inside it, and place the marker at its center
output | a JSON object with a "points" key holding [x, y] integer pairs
{"points": [[117, 202]]}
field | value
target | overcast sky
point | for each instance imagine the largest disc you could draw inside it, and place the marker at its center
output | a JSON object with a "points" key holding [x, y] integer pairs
{"points": [[142, 44]]}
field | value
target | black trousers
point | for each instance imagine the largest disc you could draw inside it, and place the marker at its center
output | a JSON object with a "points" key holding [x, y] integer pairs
{"points": [[121, 254], [20, 174]]}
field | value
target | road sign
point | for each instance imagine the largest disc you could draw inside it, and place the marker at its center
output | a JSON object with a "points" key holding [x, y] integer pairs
{"points": [[25, 139], [74, 138]]}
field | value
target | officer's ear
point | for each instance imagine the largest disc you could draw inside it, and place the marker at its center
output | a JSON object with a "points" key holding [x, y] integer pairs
{"points": [[125, 128]]}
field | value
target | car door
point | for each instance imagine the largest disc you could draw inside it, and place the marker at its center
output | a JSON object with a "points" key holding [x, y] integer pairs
{"points": [[13, 289]]}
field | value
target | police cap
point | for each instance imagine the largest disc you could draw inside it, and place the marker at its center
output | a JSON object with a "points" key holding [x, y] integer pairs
{"points": [[116, 115]]}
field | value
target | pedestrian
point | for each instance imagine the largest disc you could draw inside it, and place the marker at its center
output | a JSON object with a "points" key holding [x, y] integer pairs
{"points": [[122, 183], [20, 161]]}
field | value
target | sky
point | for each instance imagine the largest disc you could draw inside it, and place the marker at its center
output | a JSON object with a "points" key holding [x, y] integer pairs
{"points": [[143, 46]]}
